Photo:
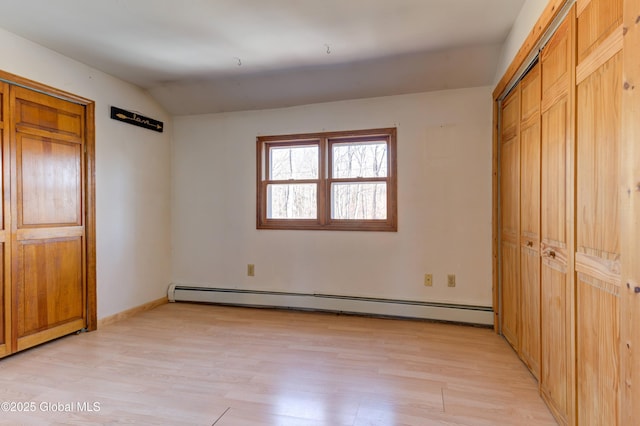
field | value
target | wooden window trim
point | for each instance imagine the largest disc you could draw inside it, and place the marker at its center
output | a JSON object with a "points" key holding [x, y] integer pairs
{"points": [[324, 141]]}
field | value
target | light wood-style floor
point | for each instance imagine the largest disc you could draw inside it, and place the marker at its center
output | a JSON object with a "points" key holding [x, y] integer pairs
{"points": [[187, 364]]}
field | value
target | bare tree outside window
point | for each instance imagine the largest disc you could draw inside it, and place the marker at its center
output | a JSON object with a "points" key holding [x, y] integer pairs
{"points": [[289, 200], [334, 180], [363, 200]]}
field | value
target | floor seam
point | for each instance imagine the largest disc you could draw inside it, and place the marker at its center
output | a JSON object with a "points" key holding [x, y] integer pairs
{"points": [[221, 415]]}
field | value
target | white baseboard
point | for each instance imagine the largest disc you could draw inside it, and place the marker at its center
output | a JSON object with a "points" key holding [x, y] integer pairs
{"points": [[334, 303]]}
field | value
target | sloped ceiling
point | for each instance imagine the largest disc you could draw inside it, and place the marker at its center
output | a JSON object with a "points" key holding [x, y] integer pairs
{"points": [[203, 56]]}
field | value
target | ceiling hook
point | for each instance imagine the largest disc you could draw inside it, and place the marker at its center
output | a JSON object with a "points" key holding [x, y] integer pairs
{"points": [[328, 49], [239, 61]]}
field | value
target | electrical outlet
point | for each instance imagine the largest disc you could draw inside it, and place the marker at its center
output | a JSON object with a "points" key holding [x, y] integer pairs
{"points": [[451, 280], [251, 270], [428, 280]]}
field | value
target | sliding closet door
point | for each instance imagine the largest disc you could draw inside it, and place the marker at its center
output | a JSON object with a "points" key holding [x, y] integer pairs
{"points": [[510, 216], [557, 294], [48, 232], [599, 80], [530, 220], [5, 288]]}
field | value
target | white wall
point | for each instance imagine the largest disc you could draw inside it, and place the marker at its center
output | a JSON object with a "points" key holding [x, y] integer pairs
{"points": [[528, 16], [132, 176], [444, 178]]}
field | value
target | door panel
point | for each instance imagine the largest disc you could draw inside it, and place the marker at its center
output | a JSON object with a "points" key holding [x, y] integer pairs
{"points": [[510, 183], [598, 251], [49, 286], [598, 336], [530, 330], [49, 182], [554, 160], [48, 238], [555, 339], [598, 19], [38, 113], [530, 221], [598, 159], [557, 378], [510, 217], [530, 184], [510, 294]]}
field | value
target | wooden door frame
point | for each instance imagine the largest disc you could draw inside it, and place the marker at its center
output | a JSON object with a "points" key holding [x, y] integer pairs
{"points": [[89, 185]]}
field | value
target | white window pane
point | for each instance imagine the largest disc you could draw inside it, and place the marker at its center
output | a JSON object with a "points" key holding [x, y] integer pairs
{"points": [[293, 162], [292, 201], [362, 159], [359, 201]]}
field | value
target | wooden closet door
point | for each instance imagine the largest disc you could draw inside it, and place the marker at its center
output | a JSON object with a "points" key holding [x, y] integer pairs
{"points": [[510, 216], [598, 283], [48, 234], [557, 293], [5, 288], [530, 220]]}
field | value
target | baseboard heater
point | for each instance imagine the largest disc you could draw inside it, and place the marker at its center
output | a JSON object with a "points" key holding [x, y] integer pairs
{"points": [[482, 315]]}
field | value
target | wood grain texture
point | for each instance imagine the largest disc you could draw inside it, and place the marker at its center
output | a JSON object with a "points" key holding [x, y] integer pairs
{"points": [[598, 20], [598, 231], [607, 270], [89, 204], [67, 117], [600, 55], [537, 32], [530, 159], [556, 126], [581, 5], [49, 284], [530, 221], [510, 167], [630, 213], [530, 184], [510, 183], [598, 355], [49, 174], [187, 364], [598, 159], [555, 63], [530, 309], [510, 217], [510, 292], [48, 233], [510, 117], [557, 378], [555, 341], [37, 113], [48, 269]]}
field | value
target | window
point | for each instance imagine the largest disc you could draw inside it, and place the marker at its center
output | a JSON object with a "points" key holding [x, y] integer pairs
{"points": [[336, 180]]}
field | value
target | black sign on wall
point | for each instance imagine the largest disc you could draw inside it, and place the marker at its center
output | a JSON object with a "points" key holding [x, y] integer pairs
{"points": [[136, 119]]}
